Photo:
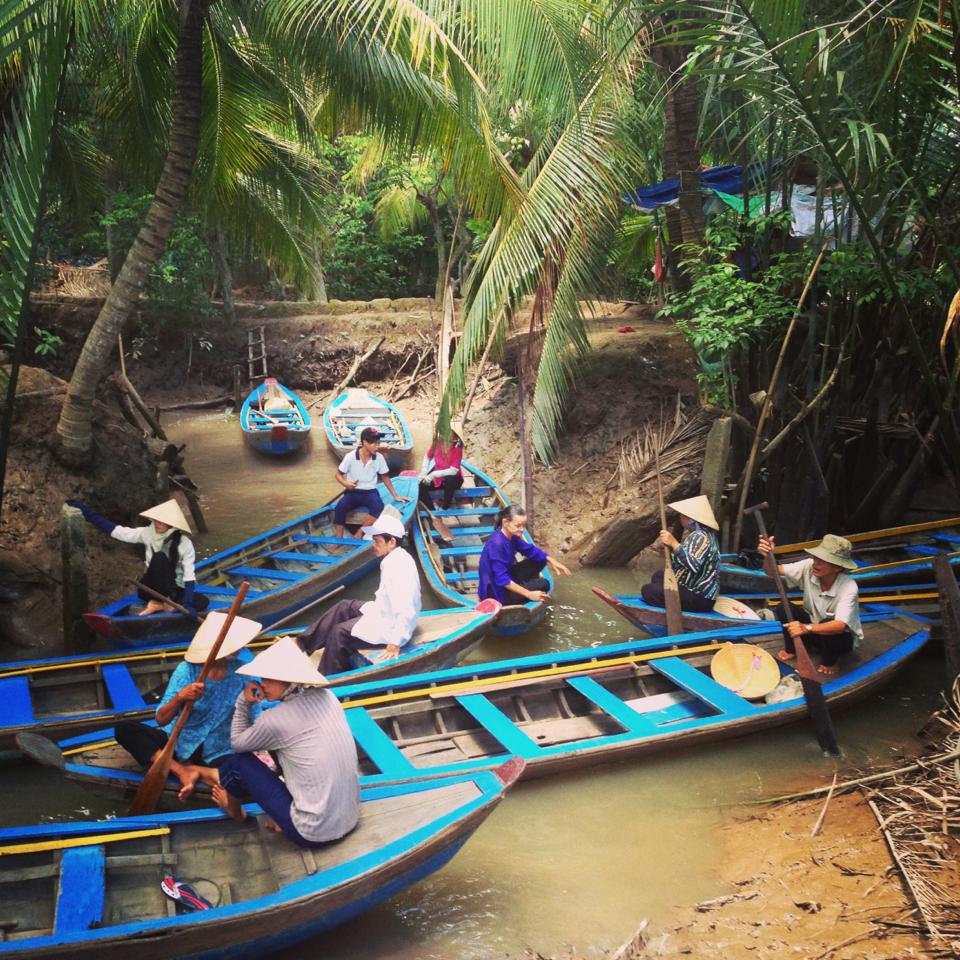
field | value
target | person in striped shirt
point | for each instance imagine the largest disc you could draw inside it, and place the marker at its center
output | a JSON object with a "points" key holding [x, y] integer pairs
{"points": [[695, 558]]}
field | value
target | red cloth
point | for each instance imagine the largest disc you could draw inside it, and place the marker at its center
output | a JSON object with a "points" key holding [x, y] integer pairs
{"points": [[443, 458], [625, 330]]}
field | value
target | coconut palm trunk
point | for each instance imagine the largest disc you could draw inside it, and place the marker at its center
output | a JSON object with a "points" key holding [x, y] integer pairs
{"points": [[75, 428]]}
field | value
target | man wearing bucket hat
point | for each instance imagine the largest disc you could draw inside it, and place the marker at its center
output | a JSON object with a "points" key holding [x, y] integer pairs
{"points": [[204, 741], [388, 620], [829, 620], [359, 472], [441, 467], [695, 558], [170, 555], [318, 799]]}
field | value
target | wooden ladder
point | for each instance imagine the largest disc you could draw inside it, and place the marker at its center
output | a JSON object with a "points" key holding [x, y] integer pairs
{"points": [[256, 356]]}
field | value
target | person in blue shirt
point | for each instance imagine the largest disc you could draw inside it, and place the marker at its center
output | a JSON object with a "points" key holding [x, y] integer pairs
{"points": [[502, 576], [204, 741]]}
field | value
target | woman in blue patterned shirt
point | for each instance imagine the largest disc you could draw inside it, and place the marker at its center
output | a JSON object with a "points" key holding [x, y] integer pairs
{"points": [[695, 558]]}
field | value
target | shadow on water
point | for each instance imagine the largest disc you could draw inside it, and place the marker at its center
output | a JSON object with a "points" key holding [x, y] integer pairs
{"points": [[576, 860]]}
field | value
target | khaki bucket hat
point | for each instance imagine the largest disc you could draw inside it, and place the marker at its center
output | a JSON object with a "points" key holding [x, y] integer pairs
{"points": [[170, 514], [697, 508], [285, 661], [835, 550], [241, 632], [745, 669]]}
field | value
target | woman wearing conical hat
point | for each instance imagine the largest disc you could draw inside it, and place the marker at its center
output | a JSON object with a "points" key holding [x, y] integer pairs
{"points": [[170, 555], [695, 558]]}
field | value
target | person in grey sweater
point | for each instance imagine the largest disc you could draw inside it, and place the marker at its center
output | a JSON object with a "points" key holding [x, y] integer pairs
{"points": [[318, 799]]}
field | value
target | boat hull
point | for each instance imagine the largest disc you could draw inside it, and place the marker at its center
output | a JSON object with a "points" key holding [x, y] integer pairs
{"points": [[350, 411], [276, 434]]}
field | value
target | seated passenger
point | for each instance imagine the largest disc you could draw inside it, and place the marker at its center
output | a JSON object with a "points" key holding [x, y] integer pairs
{"points": [[204, 741], [318, 799]]}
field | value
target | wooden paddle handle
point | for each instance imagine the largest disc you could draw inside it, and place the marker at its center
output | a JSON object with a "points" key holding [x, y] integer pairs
{"points": [[663, 509], [150, 592], [757, 511]]}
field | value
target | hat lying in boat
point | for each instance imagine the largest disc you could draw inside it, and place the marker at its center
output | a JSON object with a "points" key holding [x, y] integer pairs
{"points": [[697, 508], [284, 661], [745, 669], [835, 550], [387, 523], [168, 513], [241, 632], [728, 607]]}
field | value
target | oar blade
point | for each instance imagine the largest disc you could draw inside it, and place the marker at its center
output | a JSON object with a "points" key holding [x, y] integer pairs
{"points": [[442, 529], [816, 701], [151, 789], [40, 749], [671, 602]]}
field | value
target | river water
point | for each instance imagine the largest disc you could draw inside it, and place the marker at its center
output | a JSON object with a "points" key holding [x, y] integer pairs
{"points": [[568, 865]]}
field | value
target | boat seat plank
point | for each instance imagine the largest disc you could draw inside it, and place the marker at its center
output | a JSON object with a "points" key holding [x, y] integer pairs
{"points": [[121, 686], [498, 725], [381, 750], [946, 537], [703, 687], [466, 531], [461, 551], [17, 705], [224, 590], [329, 541], [612, 704], [467, 512], [921, 550], [462, 576], [265, 573], [464, 492], [80, 891], [304, 557]]}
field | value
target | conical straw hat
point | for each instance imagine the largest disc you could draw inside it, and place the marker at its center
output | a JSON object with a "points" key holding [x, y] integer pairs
{"points": [[285, 661], [697, 508], [745, 669], [170, 514], [729, 607], [241, 632]]}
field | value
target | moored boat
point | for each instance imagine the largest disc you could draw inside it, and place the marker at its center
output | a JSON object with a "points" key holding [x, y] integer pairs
{"points": [[66, 696], [287, 567], [94, 889], [356, 408], [274, 419], [451, 569]]}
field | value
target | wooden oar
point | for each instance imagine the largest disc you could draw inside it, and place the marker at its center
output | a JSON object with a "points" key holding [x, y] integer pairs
{"points": [[812, 691], [671, 592], [156, 778]]}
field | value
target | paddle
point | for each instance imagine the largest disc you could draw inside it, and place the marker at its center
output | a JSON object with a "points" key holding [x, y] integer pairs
{"points": [[156, 778], [812, 691], [150, 592], [671, 592], [442, 529]]}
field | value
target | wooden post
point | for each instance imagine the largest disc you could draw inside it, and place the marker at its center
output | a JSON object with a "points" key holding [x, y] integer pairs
{"points": [[950, 615], [715, 460], [76, 595], [237, 401], [163, 480]]}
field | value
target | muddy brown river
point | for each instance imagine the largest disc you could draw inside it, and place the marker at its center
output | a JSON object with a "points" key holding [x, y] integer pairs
{"points": [[571, 864]]}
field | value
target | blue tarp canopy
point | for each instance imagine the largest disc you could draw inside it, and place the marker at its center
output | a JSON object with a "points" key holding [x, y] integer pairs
{"points": [[727, 179]]}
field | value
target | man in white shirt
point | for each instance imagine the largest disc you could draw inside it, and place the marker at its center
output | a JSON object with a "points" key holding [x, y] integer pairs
{"points": [[829, 620], [359, 472], [386, 621]]}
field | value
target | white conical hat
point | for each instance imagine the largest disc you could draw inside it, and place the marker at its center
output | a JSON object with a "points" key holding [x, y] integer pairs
{"points": [[285, 661], [697, 508], [241, 632], [170, 514]]}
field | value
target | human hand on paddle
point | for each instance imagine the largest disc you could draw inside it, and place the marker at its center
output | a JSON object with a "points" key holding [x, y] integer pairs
{"points": [[765, 545], [192, 692], [669, 540]]}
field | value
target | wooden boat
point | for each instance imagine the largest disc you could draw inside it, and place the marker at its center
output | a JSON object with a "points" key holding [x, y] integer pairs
{"points": [[558, 711], [357, 408], [66, 696], [93, 889], [451, 571], [653, 620], [287, 567], [276, 431], [896, 555]]}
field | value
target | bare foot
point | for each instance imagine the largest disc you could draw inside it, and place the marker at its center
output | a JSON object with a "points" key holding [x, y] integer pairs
{"points": [[828, 671], [786, 656], [270, 824], [188, 779], [229, 804], [155, 606]]}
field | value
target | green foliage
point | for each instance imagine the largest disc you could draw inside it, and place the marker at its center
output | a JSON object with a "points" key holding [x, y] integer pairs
{"points": [[47, 343]]}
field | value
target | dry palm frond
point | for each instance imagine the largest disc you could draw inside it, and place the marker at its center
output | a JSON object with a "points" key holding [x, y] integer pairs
{"points": [[678, 438]]}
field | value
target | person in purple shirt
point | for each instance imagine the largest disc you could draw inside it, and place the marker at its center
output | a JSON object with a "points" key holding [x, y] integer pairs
{"points": [[502, 576]]}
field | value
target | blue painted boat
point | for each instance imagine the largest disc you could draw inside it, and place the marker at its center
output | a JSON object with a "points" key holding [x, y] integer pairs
{"points": [[560, 711], [287, 567], [452, 569], [274, 419], [65, 696], [93, 889], [356, 408]]}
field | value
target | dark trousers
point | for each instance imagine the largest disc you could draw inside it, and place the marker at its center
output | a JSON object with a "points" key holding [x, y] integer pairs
{"points": [[526, 572], [332, 632], [245, 777], [450, 486], [652, 592], [160, 575], [830, 647], [142, 742], [368, 500]]}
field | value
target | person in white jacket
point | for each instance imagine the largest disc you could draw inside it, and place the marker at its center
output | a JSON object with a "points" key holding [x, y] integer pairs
{"points": [[387, 621]]}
